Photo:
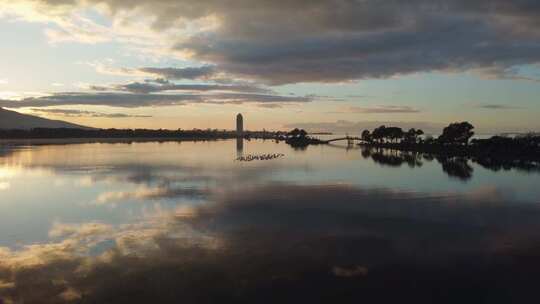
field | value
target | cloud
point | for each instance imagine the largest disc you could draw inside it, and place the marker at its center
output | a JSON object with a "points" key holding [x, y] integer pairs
{"points": [[503, 73], [202, 72], [128, 100], [372, 40], [79, 230], [169, 73], [497, 107], [164, 86], [382, 109], [145, 193], [81, 29], [307, 41], [270, 105], [106, 67], [81, 113], [333, 58], [368, 241]]}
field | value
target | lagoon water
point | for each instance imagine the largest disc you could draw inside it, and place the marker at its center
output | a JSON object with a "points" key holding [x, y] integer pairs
{"points": [[184, 222]]}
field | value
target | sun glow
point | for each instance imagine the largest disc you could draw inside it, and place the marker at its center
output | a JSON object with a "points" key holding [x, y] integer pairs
{"points": [[7, 172], [4, 186]]}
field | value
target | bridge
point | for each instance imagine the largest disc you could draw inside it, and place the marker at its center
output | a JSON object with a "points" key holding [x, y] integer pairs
{"points": [[350, 139]]}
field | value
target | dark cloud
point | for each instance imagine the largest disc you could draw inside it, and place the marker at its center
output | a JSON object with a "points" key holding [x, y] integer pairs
{"points": [[99, 88], [339, 40], [453, 45], [127, 100], [81, 113], [370, 40], [182, 73], [305, 205], [270, 105], [164, 86], [102, 99], [497, 107]]}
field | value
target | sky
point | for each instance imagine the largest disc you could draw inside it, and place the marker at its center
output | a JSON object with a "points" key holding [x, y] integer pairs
{"points": [[325, 65]]}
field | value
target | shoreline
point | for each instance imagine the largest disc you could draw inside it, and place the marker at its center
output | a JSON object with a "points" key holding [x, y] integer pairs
{"points": [[82, 140], [470, 151]]}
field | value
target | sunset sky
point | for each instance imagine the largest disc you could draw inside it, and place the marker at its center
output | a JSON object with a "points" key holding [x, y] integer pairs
{"points": [[319, 64]]}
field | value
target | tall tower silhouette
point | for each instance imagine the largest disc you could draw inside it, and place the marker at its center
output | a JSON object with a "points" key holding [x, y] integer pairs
{"points": [[239, 124]]}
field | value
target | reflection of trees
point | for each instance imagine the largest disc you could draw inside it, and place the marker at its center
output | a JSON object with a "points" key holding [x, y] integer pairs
{"points": [[299, 148], [413, 159], [456, 167], [453, 166], [495, 164], [393, 158], [366, 152], [388, 160], [428, 157]]}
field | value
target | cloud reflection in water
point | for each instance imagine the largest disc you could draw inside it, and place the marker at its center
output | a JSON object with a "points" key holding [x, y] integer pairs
{"points": [[286, 242], [208, 229]]}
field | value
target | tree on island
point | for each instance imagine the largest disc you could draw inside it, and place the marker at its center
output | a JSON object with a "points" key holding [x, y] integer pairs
{"points": [[383, 133], [457, 133], [366, 136], [294, 133], [297, 133], [496, 152], [379, 134], [412, 136], [394, 134]]}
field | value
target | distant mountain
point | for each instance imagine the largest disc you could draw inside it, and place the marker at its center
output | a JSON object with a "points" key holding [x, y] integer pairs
{"points": [[15, 120]]}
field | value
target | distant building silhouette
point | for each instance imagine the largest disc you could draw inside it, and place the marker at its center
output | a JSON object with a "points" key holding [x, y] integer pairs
{"points": [[239, 124]]}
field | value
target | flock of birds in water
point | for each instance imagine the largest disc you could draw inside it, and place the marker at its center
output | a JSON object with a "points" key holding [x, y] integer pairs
{"points": [[252, 157]]}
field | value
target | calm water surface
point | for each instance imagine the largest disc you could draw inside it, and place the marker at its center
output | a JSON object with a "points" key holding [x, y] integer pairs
{"points": [[184, 222]]}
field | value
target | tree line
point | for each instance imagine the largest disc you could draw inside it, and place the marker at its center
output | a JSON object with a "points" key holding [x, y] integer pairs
{"points": [[454, 140], [456, 133], [119, 133]]}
